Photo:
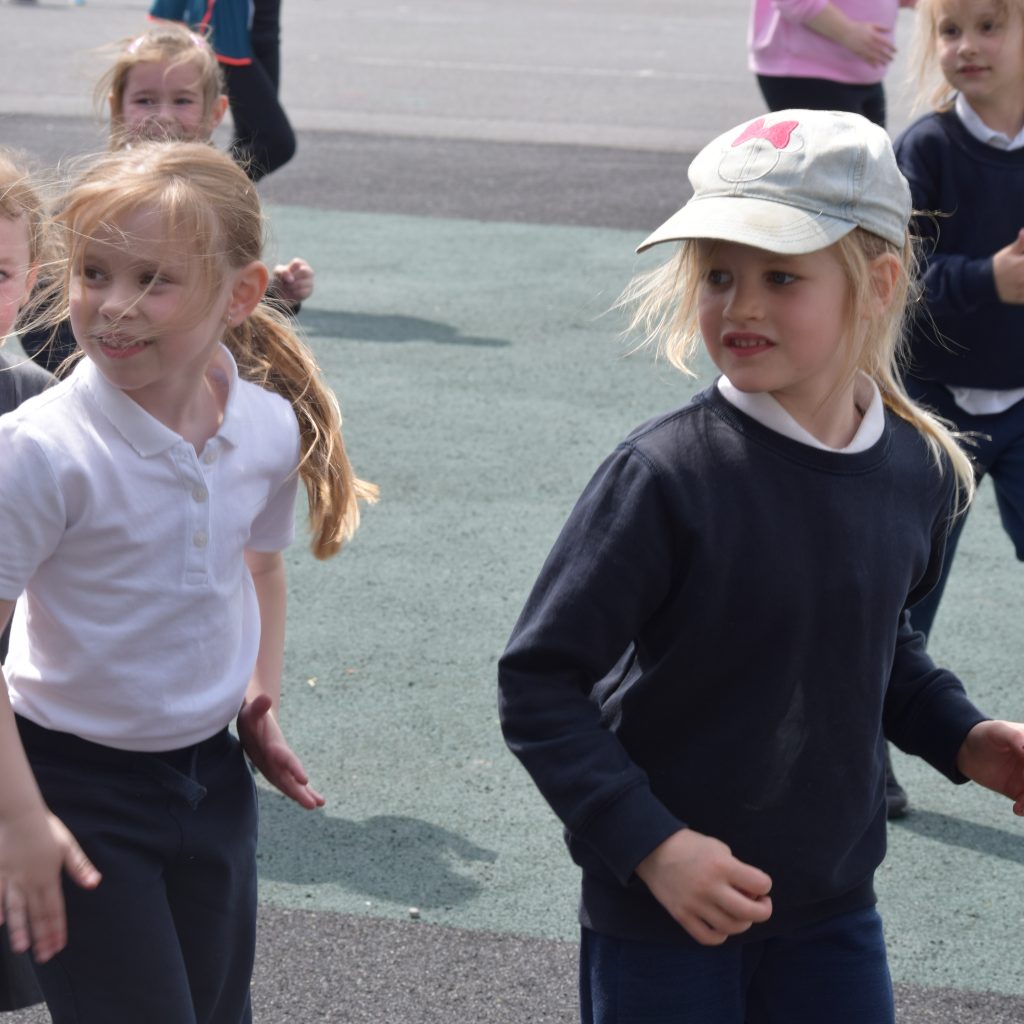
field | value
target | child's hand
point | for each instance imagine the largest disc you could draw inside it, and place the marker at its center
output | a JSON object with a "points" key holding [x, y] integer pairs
{"points": [[34, 848], [293, 281], [705, 888], [1008, 268], [993, 756], [266, 747], [872, 43]]}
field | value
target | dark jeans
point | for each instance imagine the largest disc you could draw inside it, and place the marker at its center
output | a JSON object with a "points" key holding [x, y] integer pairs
{"points": [[168, 936], [782, 93], [264, 139], [834, 972], [998, 451]]}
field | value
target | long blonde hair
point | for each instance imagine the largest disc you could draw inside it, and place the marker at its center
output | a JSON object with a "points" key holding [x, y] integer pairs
{"points": [[211, 212], [166, 42], [931, 89], [662, 305]]}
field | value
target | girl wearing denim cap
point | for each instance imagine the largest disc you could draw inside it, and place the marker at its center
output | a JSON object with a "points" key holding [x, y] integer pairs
{"points": [[704, 675]]}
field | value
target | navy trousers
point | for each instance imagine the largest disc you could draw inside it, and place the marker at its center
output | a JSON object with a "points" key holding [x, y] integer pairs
{"points": [[168, 936], [782, 92], [264, 139], [834, 972], [997, 451]]}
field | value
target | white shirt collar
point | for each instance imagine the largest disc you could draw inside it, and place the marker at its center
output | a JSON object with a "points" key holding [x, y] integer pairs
{"points": [[768, 412], [981, 131], [146, 434]]}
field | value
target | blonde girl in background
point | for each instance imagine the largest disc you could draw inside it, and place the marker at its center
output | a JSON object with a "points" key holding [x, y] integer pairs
{"points": [[147, 499], [703, 675], [965, 165], [166, 85], [22, 251], [964, 162]]}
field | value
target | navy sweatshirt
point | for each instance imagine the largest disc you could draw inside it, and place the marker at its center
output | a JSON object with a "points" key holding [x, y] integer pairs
{"points": [[716, 640], [979, 190]]}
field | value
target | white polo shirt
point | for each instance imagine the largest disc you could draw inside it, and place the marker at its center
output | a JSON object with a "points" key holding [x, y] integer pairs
{"points": [[137, 624]]}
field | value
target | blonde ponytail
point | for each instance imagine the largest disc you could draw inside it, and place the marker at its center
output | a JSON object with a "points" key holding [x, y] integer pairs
{"points": [[269, 353]]}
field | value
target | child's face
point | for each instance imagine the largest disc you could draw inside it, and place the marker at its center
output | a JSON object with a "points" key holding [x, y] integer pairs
{"points": [[164, 100], [132, 309], [774, 323], [981, 50], [17, 275]]}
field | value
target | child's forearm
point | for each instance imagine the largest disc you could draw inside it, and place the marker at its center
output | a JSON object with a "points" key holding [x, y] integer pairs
{"points": [[270, 582], [19, 794], [869, 42]]}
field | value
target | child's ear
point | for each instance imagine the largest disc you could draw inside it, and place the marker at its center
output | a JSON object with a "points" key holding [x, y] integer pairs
{"points": [[885, 272], [248, 288], [217, 112]]}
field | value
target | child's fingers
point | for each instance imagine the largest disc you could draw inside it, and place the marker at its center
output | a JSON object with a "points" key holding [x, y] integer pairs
{"points": [[36, 922], [16, 919], [80, 869], [744, 909], [748, 879]]}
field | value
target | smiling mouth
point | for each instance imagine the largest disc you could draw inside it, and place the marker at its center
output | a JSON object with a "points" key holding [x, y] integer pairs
{"points": [[120, 348], [746, 342]]}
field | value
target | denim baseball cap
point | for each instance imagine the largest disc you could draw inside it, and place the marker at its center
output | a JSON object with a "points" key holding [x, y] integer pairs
{"points": [[794, 181]]}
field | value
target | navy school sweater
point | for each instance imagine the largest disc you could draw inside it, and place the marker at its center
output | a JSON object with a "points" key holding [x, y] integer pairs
{"points": [[717, 640], [979, 190]]}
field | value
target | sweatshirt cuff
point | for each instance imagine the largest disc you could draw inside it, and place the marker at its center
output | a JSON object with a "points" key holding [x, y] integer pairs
{"points": [[938, 737], [627, 830]]}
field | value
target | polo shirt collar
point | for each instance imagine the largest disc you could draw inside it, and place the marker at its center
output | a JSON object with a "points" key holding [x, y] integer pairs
{"points": [[767, 410], [146, 434], [971, 120]]}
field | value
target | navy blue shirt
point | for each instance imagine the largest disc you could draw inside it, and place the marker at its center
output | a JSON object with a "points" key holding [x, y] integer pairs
{"points": [[717, 640], [977, 192]]}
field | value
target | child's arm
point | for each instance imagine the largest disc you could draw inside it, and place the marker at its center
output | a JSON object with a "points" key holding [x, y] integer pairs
{"points": [[993, 756], [34, 847], [872, 43], [1008, 270], [258, 729], [705, 888]]}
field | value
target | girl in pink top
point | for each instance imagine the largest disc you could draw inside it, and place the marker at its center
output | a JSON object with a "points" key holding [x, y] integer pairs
{"points": [[823, 55]]}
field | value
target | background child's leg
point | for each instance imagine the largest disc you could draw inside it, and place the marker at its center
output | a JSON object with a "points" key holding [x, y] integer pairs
{"points": [[1007, 472], [835, 971], [623, 981], [984, 452], [264, 139]]}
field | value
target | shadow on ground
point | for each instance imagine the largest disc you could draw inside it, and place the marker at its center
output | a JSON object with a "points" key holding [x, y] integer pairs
{"points": [[967, 835], [400, 860], [387, 327]]}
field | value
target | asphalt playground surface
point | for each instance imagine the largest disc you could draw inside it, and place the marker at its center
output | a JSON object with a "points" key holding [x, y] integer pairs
{"points": [[472, 178]]}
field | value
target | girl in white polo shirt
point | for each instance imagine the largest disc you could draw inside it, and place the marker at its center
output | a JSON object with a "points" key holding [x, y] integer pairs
{"points": [[146, 503]]}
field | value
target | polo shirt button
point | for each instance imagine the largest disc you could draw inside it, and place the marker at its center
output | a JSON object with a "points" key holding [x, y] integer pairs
{"points": [[199, 538], [209, 457], [199, 493]]}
